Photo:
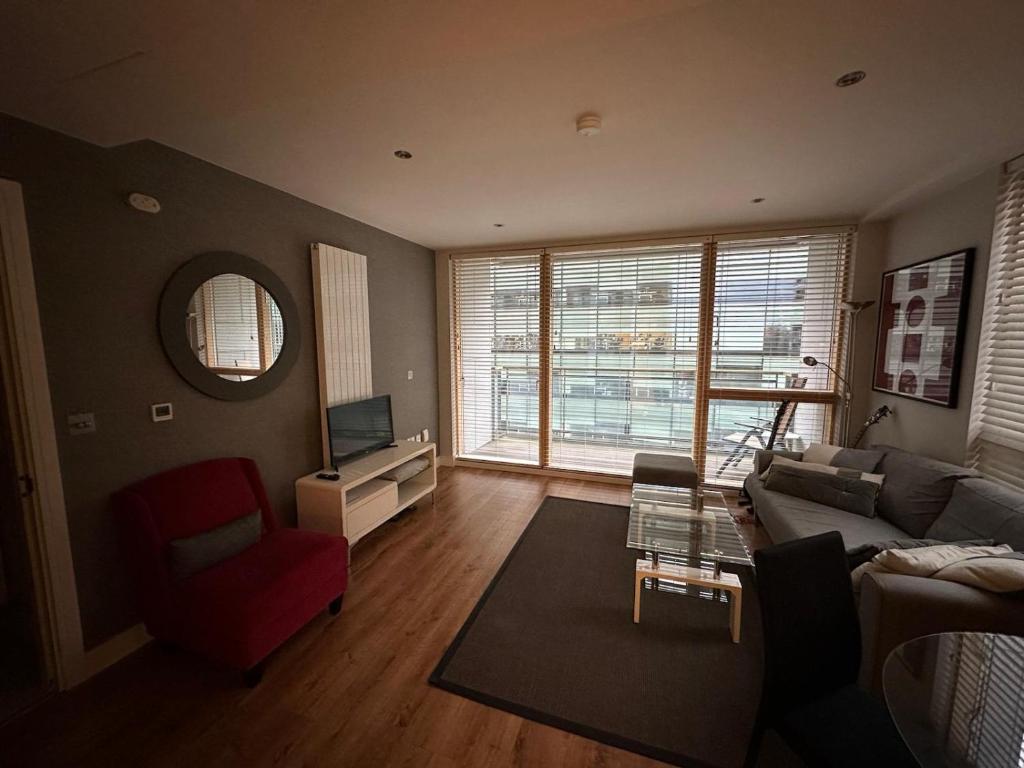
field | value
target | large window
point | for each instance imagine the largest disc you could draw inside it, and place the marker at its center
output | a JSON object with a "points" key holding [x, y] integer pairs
{"points": [[579, 360], [996, 443], [624, 356], [496, 306]]}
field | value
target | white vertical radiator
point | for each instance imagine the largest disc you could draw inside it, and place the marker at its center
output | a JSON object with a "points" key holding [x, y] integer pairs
{"points": [[342, 311]]}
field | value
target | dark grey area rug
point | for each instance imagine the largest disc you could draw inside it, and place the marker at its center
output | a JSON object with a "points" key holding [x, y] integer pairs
{"points": [[552, 639]]}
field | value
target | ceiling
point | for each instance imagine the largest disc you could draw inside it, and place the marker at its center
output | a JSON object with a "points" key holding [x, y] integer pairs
{"points": [[706, 103]]}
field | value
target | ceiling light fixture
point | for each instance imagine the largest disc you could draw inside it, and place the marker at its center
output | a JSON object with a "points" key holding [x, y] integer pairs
{"points": [[850, 78], [403, 154], [757, 200], [588, 124]]}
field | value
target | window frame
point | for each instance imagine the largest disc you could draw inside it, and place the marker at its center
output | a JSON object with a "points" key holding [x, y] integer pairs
{"points": [[704, 392]]}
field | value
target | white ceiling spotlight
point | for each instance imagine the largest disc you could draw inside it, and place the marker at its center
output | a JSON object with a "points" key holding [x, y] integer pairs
{"points": [[588, 124]]}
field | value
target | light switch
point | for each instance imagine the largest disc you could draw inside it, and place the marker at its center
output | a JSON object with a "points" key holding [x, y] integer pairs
{"points": [[409, 375], [81, 423]]}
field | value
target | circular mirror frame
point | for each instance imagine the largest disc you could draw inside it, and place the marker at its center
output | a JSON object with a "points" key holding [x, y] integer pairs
{"points": [[173, 307]]}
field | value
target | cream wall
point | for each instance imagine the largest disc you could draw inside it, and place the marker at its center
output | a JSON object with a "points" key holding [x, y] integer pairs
{"points": [[959, 218]]}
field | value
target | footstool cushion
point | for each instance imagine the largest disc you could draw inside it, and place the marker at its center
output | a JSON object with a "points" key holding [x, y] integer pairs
{"points": [[665, 469]]}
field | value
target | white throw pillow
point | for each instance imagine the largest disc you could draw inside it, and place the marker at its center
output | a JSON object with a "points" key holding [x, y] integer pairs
{"points": [[818, 453], [988, 568]]}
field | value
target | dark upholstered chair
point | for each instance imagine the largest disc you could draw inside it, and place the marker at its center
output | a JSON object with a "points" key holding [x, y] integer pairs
{"points": [[235, 611], [812, 657]]}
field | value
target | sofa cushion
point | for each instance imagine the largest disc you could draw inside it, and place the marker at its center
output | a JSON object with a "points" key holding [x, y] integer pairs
{"points": [[850, 494], [247, 590], [916, 489], [787, 517], [763, 458], [827, 469], [982, 508], [865, 460], [196, 553]]}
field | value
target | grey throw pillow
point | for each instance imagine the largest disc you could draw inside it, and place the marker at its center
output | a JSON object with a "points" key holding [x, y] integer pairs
{"points": [[857, 458], [403, 472], [865, 460], [199, 552], [916, 489], [851, 494], [763, 458], [982, 508]]}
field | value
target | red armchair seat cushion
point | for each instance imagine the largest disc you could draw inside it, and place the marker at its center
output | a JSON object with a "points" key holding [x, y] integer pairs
{"points": [[236, 611], [242, 608]]}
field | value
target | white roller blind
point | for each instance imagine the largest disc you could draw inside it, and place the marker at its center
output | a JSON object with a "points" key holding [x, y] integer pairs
{"points": [[996, 438], [624, 355], [496, 324]]}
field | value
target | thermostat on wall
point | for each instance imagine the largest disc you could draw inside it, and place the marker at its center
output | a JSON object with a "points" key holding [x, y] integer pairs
{"points": [[162, 411]]}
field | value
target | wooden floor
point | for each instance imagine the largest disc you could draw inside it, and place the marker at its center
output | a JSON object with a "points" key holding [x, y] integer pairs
{"points": [[611, 458], [345, 691]]}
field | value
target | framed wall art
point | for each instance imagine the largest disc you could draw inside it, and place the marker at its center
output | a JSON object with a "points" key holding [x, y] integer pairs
{"points": [[921, 318]]}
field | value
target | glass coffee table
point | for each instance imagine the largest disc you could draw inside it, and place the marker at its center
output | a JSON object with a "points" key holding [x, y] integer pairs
{"points": [[686, 535]]}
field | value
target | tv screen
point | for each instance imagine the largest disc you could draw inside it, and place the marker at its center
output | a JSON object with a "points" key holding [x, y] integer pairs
{"points": [[358, 428]]}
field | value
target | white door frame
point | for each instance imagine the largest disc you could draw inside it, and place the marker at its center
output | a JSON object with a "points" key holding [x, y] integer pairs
{"points": [[36, 445]]}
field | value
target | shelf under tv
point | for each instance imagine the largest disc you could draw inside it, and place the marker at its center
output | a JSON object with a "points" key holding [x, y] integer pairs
{"points": [[360, 500]]}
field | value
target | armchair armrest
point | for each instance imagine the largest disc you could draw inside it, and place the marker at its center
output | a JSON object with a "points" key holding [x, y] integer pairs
{"points": [[895, 608]]}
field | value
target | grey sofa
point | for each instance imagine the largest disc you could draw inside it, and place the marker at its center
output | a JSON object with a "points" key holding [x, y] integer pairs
{"points": [[920, 498]]}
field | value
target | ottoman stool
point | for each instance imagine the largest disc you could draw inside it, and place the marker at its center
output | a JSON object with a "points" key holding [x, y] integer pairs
{"points": [[665, 469]]}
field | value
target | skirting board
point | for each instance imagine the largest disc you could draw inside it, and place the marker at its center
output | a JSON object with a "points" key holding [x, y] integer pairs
{"points": [[113, 650]]}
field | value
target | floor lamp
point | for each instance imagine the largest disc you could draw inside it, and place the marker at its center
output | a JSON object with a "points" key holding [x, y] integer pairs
{"points": [[852, 309]]}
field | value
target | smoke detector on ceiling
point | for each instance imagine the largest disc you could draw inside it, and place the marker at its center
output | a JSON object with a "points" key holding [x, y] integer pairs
{"points": [[588, 125], [144, 203]]}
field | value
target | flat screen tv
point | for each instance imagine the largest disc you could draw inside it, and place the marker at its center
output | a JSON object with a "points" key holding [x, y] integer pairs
{"points": [[356, 429]]}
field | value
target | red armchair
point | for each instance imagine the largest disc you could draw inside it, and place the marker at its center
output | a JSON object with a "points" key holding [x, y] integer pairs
{"points": [[238, 610]]}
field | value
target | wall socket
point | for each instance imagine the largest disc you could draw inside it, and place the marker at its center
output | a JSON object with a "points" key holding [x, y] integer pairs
{"points": [[409, 375]]}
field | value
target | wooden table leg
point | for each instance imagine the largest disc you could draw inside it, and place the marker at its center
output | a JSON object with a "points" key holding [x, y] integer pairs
{"points": [[636, 598], [734, 615]]}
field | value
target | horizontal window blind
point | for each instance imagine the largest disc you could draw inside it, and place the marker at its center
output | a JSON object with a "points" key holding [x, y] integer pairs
{"points": [[578, 360], [496, 328], [996, 436], [624, 355], [235, 327], [777, 300]]}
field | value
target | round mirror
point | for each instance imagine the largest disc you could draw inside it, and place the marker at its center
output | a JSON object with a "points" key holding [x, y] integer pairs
{"points": [[229, 326], [234, 327]]}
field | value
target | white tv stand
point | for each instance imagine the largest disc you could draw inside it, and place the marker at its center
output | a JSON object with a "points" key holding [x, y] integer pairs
{"points": [[360, 500]]}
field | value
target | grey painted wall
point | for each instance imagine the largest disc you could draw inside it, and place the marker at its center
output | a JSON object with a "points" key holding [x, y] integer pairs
{"points": [[960, 218], [100, 267]]}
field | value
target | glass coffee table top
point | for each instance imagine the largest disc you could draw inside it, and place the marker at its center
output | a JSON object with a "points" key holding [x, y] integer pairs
{"points": [[685, 523]]}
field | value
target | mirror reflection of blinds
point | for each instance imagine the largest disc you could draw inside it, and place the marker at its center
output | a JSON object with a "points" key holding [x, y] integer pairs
{"points": [[624, 355], [996, 436], [496, 329], [977, 701]]}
